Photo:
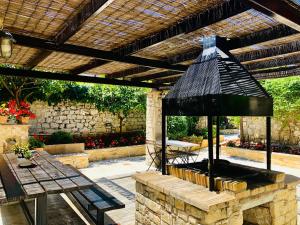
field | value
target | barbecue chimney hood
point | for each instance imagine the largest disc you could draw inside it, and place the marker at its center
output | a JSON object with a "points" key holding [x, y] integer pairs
{"points": [[216, 84]]}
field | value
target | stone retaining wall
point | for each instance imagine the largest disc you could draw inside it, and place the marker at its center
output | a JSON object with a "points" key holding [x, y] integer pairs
{"points": [[79, 118], [280, 159], [254, 129]]}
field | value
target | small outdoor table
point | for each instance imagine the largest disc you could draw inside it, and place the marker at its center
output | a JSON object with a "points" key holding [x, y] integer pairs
{"points": [[185, 153], [49, 176]]}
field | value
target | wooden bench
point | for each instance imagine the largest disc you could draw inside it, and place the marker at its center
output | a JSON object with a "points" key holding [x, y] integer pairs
{"points": [[95, 202]]}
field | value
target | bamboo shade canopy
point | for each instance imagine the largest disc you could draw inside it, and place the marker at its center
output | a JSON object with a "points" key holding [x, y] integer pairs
{"points": [[236, 26], [111, 68], [62, 61], [117, 24], [42, 18], [124, 21]]}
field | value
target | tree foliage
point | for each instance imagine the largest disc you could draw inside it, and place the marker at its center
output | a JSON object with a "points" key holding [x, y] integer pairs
{"points": [[286, 96], [119, 100]]}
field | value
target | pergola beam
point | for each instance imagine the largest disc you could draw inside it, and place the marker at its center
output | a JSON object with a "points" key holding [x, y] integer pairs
{"points": [[70, 77], [269, 52], [284, 12], [93, 7], [95, 53], [276, 62], [278, 74], [92, 64], [273, 33], [191, 55], [38, 58], [275, 69], [155, 76]]}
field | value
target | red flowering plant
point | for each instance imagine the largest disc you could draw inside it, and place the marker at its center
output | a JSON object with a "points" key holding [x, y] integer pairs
{"points": [[12, 107], [24, 110]]}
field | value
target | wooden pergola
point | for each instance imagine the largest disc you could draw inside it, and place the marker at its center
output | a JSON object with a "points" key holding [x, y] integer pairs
{"points": [[146, 43]]}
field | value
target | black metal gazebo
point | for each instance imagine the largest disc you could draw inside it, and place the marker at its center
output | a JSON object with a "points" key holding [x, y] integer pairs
{"points": [[216, 84]]}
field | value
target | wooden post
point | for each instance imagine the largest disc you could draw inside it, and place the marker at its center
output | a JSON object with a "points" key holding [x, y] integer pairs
{"points": [[210, 153], [163, 136], [41, 210], [268, 137], [218, 138]]}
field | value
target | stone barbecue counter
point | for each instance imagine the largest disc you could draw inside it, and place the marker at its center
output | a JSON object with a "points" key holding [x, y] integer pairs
{"points": [[171, 200]]}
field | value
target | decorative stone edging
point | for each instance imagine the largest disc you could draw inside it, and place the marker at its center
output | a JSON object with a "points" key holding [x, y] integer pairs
{"points": [[114, 153], [281, 159], [64, 148]]}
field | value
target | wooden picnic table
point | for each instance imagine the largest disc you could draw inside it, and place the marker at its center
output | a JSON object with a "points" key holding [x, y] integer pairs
{"points": [[49, 176]]}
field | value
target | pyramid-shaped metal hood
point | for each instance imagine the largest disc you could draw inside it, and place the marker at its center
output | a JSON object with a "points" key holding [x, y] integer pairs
{"points": [[216, 84]]}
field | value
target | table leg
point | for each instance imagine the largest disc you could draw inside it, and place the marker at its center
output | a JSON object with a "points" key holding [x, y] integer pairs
{"points": [[41, 210]]}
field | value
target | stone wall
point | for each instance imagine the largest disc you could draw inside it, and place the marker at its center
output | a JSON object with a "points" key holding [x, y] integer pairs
{"points": [[254, 129], [79, 118]]}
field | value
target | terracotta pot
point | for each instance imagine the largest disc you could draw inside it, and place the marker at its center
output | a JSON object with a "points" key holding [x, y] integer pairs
{"points": [[3, 119], [24, 119]]}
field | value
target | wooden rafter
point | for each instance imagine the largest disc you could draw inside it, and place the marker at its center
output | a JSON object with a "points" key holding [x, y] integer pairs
{"points": [[172, 60], [155, 76], [71, 27], [69, 77], [95, 53], [93, 7], [280, 60], [278, 74], [273, 33], [269, 52], [284, 12], [276, 69], [92, 64]]}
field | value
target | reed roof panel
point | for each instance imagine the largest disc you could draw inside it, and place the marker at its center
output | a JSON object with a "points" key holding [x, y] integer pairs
{"points": [[242, 24], [42, 18], [111, 67], [63, 61], [124, 21]]}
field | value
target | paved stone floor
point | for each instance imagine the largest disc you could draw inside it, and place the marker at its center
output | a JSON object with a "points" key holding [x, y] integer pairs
{"points": [[115, 177]]}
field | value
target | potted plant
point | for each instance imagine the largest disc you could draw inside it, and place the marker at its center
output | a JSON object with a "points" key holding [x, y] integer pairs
{"points": [[3, 113], [12, 111], [24, 154], [24, 114]]}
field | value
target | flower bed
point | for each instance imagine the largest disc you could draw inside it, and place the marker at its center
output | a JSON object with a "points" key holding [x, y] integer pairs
{"points": [[96, 141], [259, 146]]}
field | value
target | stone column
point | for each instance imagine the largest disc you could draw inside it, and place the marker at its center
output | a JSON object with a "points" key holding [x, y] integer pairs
{"points": [[202, 123], [153, 121]]}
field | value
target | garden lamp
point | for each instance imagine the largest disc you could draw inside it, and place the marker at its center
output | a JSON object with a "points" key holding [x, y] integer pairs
{"points": [[6, 42]]}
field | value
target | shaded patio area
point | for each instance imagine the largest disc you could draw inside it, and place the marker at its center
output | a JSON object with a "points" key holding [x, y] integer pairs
{"points": [[113, 176]]}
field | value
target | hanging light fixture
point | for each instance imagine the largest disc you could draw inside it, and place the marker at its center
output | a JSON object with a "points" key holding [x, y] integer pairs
{"points": [[6, 42]]}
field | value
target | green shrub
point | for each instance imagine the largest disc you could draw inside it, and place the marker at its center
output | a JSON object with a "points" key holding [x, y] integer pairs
{"points": [[192, 123], [60, 137], [193, 139], [177, 127], [204, 132], [35, 143]]}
